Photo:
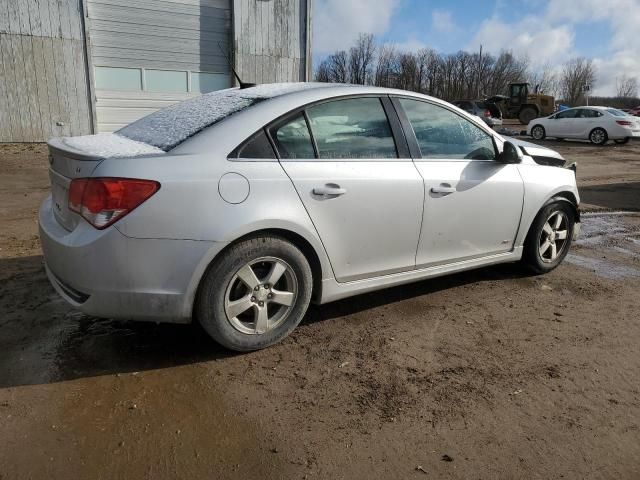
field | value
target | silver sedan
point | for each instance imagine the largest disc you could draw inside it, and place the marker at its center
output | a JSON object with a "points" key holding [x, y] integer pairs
{"points": [[240, 207]]}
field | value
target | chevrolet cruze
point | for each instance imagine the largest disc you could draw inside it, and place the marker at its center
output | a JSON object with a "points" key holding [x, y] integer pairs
{"points": [[240, 207]]}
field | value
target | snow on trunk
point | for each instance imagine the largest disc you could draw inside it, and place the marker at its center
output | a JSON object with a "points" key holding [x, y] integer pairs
{"points": [[110, 145]]}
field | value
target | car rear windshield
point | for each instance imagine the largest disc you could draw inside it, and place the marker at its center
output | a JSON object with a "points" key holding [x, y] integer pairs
{"points": [[617, 113], [167, 128]]}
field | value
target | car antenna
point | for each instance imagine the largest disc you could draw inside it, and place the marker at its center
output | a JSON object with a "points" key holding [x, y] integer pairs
{"points": [[240, 82]]}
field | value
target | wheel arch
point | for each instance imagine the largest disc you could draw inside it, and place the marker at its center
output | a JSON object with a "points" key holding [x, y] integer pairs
{"points": [[535, 125], [295, 238], [564, 196]]}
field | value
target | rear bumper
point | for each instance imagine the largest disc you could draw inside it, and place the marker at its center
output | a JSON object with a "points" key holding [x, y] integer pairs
{"points": [[106, 274]]}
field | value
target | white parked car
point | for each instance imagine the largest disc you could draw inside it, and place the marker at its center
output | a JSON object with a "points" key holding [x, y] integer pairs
{"points": [[239, 207], [597, 124]]}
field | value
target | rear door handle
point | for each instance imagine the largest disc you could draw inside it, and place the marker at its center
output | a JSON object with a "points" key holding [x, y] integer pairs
{"points": [[330, 189], [443, 189]]}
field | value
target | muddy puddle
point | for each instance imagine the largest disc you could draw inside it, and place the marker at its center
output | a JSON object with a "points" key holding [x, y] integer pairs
{"points": [[609, 244]]}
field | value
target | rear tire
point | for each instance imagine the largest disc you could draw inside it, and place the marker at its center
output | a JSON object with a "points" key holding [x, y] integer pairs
{"points": [[527, 114], [622, 141], [549, 237], [538, 132], [598, 136], [255, 294]]}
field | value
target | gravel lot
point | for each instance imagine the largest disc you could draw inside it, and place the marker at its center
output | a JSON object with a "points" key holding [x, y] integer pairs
{"points": [[484, 375]]}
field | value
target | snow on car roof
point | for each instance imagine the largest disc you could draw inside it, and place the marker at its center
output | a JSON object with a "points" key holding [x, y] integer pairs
{"points": [[170, 126]]}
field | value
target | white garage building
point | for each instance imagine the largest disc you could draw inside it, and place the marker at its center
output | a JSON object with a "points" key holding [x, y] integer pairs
{"points": [[72, 67]]}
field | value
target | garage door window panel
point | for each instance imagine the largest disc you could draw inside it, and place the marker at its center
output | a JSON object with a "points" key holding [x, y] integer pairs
{"points": [[443, 134], [355, 128]]}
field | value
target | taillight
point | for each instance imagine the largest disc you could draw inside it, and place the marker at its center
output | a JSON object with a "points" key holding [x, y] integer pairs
{"points": [[103, 201], [487, 113], [625, 123]]}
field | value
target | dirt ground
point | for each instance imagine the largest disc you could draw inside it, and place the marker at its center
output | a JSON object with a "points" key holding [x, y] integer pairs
{"points": [[492, 374]]}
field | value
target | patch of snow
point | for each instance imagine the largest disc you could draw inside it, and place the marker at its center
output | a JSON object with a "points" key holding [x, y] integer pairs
{"points": [[170, 126], [110, 145]]}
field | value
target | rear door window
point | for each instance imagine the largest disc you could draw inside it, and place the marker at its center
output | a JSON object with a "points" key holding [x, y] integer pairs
{"points": [[355, 128], [443, 134]]}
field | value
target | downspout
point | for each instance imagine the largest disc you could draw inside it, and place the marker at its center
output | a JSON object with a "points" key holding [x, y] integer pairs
{"points": [[308, 60], [91, 91]]}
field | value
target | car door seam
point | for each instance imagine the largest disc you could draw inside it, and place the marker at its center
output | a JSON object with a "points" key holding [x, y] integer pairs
{"points": [[405, 123], [295, 188]]}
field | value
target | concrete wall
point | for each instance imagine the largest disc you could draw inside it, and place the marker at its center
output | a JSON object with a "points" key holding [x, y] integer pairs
{"points": [[43, 70]]}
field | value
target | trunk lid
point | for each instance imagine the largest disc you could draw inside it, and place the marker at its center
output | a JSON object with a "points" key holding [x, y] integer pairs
{"points": [[65, 164]]}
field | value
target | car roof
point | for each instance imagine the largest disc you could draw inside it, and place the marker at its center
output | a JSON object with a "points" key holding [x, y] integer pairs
{"points": [[236, 128], [592, 107]]}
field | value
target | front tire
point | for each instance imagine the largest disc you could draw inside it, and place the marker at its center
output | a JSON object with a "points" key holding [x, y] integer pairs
{"points": [[255, 294], [549, 237], [598, 136], [538, 132], [527, 114]]}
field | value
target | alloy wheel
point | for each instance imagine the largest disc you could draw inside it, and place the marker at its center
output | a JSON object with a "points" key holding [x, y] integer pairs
{"points": [[598, 136], [260, 295], [553, 238], [537, 133]]}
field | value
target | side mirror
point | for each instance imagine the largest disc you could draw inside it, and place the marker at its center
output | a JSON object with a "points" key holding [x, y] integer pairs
{"points": [[510, 153]]}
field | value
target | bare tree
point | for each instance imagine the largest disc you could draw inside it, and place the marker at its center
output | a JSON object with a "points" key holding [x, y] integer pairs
{"points": [[626, 87], [361, 58], [576, 73], [386, 70], [451, 77], [334, 68], [323, 72], [546, 80]]}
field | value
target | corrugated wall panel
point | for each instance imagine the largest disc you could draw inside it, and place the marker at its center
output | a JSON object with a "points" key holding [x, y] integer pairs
{"points": [[43, 73]]}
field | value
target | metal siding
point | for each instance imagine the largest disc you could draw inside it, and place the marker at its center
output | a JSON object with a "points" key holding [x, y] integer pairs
{"points": [[43, 77]]}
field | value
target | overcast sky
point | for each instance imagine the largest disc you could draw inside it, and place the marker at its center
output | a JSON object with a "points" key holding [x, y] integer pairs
{"points": [[548, 31]]}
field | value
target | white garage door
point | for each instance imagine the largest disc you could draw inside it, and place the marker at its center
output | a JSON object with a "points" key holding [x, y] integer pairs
{"points": [[147, 54]]}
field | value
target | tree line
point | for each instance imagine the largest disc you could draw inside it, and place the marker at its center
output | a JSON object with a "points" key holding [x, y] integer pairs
{"points": [[461, 75]]}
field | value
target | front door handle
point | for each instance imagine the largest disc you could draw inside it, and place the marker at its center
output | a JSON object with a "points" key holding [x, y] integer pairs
{"points": [[330, 190], [445, 188]]}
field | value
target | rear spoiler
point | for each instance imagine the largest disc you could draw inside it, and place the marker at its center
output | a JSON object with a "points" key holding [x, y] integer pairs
{"points": [[58, 147]]}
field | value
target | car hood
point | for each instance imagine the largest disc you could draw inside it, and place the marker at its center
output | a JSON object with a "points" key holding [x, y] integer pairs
{"points": [[541, 155]]}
